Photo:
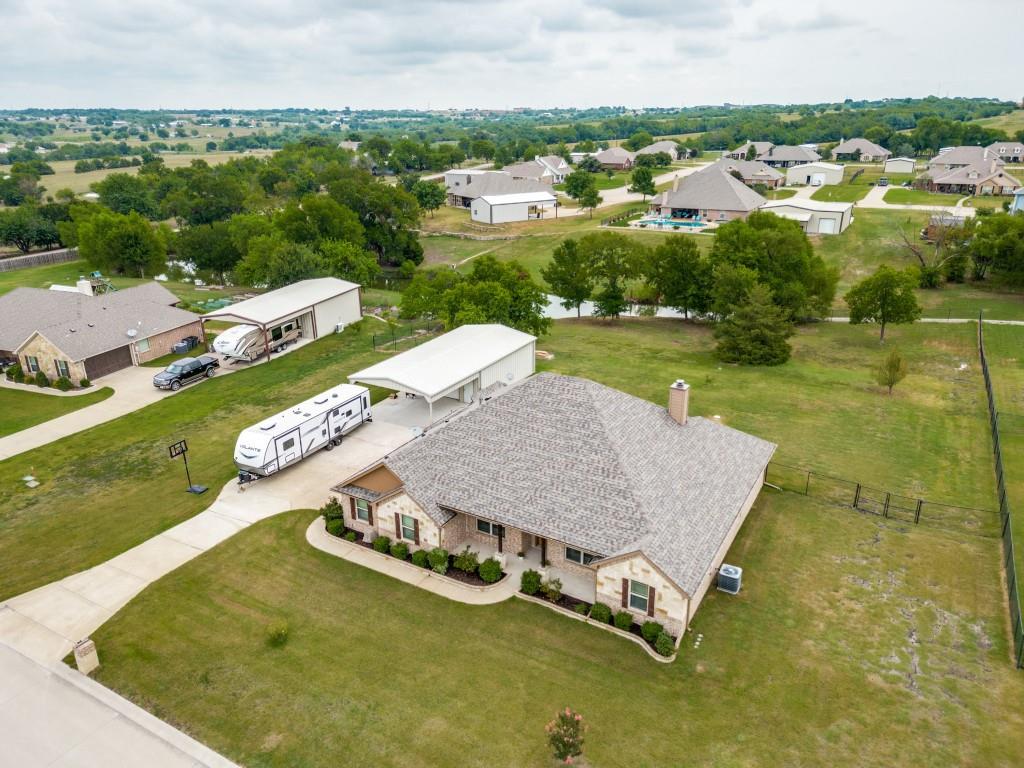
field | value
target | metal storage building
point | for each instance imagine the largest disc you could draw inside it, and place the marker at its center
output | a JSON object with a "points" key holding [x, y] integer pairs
{"points": [[519, 206], [817, 217], [815, 174], [900, 165]]}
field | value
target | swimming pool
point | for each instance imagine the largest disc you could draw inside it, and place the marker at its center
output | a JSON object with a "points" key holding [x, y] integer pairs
{"points": [[672, 223]]}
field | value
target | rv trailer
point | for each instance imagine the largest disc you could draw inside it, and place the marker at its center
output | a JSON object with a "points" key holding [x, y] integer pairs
{"points": [[234, 337], [290, 436], [247, 342]]}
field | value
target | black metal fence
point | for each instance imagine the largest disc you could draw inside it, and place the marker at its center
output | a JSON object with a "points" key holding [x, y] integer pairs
{"points": [[1009, 564], [628, 214], [879, 501], [408, 336]]}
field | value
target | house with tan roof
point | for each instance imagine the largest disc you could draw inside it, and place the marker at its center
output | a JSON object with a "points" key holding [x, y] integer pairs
{"points": [[708, 196], [465, 186], [1007, 151], [616, 158], [741, 152], [670, 148], [753, 172], [549, 169], [626, 502], [984, 177], [786, 156], [860, 149]]}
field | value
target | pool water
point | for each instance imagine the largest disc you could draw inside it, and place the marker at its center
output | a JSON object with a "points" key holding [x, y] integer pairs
{"points": [[673, 223]]}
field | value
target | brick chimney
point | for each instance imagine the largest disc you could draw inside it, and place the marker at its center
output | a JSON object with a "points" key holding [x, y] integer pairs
{"points": [[679, 401]]}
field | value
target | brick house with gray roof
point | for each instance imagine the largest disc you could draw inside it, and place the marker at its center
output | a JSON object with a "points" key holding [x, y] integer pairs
{"points": [[627, 502]]}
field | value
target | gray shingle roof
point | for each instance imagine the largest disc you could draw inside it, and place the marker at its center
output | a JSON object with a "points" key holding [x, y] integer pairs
{"points": [[588, 465], [83, 326], [615, 155], [659, 146], [495, 183], [712, 188], [750, 169], [866, 147], [966, 155], [785, 153]]}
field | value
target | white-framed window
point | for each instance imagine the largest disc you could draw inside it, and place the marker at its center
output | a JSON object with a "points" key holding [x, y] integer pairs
{"points": [[491, 529], [142, 345], [639, 595], [363, 510], [63, 369], [408, 531], [32, 362], [579, 556]]}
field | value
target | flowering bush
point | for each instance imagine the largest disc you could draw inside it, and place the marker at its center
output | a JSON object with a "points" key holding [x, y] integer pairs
{"points": [[565, 735]]}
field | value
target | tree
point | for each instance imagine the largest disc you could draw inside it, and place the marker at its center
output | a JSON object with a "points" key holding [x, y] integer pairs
{"points": [[388, 215], [892, 370], [122, 244], [730, 286], [590, 199], [578, 183], [614, 259], [996, 242], [643, 182], [682, 278], [755, 332], [124, 193], [349, 262], [316, 218], [885, 297], [590, 164], [273, 262], [209, 247], [638, 140], [429, 195], [569, 275], [26, 228], [751, 153]]}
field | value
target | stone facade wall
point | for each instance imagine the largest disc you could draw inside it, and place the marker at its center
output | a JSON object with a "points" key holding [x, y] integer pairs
{"points": [[48, 354], [163, 343], [384, 521], [461, 530], [670, 605], [367, 529]]}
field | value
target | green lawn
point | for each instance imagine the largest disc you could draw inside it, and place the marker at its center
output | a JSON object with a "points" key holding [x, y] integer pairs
{"points": [[112, 487], [851, 189], [617, 179], [900, 196], [779, 194], [20, 410]]}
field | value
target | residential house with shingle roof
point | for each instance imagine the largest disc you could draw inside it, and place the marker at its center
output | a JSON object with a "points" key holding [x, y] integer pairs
{"points": [[670, 148], [628, 503], [985, 177], [78, 335], [1007, 151], [958, 157], [710, 195], [549, 169], [616, 158], [860, 149], [463, 187], [786, 156], [753, 172], [741, 152]]}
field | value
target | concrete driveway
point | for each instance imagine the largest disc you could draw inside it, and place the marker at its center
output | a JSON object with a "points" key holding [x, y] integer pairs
{"points": [[622, 194], [875, 198]]}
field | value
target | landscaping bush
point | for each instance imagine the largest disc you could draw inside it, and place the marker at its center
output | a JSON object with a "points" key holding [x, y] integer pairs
{"points": [[382, 544], [63, 384], [529, 582], [467, 561], [84, 383], [420, 558], [624, 620], [351, 536], [335, 527], [400, 550], [650, 631], [277, 634], [490, 570], [41, 380], [601, 612], [565, 735], [552, 589], [14, 373], [580, 608], [438, 558], [664, 645], [332, 510]]}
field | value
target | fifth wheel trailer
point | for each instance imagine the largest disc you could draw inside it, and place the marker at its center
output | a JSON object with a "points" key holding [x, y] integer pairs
{"points": [[290, 436]]}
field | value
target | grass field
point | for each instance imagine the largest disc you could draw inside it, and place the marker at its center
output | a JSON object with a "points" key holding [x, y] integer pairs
{"points": [[1011, 122], [20, 409], [919, 197], [779, 194], [903, 626], [851, 190]]}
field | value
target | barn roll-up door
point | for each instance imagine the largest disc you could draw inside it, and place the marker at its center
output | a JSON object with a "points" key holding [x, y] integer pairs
{"points": [[108, 362]]}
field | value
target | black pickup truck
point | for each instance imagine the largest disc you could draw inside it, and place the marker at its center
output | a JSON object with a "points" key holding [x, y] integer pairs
{"points": [[186, 370]]}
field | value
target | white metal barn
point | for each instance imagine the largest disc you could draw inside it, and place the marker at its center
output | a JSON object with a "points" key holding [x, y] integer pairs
{"points": [[318, 307], [518, 206], [457, 365], [817, 217], [815, 174], [900, 165]]}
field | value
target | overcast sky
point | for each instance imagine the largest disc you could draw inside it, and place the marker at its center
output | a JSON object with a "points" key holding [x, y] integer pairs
{"points": [[500, 53]]}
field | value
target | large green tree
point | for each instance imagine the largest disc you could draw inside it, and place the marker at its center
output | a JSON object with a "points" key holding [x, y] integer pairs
{"points": [[209, 247], [388, 215], [430, 195], [997, 244], [642, 182], [885, 297], [755, 332], [124, 193], [569, 275], [273, 262], [348, 261], [317, 217], [26, 227], [680, 275], [122, 244], [615, 259]]}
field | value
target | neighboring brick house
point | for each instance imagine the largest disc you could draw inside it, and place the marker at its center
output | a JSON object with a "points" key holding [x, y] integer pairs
{"points": [[753, 172], [626, 502], [710, 195], [81, 336], [616, 158], [547, 169], [670, 148], [985, 177], [860, 149], [1007, 151]]}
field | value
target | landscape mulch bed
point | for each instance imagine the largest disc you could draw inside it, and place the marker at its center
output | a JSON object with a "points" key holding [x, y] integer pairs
{"points": [[472, 579]]}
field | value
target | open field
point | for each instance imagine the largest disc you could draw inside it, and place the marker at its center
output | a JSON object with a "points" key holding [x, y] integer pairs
{"points": [[779, 194], [995, 202], [1011, 122], [20, 410], [617, 179], [851, 190], [112, 487], [919, 197], [904, 626]]}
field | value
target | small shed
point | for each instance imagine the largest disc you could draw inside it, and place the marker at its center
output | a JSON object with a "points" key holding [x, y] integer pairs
{"points": [[458, 365], [816, 217], [899, 165], [318, 307], [815, 174], [517, 206]]}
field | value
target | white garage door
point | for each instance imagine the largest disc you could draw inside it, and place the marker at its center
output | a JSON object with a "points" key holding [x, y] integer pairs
{"points": [[817, 179], [826, 226]]}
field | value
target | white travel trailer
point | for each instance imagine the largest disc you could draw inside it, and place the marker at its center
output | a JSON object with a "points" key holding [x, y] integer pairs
{"points": [[290, 436], [247, 342], [230, 340]]}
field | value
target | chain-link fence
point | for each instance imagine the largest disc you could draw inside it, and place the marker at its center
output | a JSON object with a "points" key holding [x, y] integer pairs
{"points": [[403, 338]]}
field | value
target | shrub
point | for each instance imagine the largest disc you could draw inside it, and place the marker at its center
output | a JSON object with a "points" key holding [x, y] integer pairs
{"points": [[41, 380], [84, 383], [400, 550], [624, 620], [565, 735], [335, 527], [332, 510], [664, 645], [529, 582], [382, 544], [438, 559], [650, 630], [421, 558], [63, 384], [552, 589], [580, 608], [490, 570], [277, 634], [14, 373], [467, 561], [351, 536], [601, 612]]}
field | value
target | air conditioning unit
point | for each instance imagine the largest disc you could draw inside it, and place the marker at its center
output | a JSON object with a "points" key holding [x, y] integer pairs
{"points": [[729, 578], [339, 327]]}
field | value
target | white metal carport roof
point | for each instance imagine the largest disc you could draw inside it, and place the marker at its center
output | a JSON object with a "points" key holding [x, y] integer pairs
{"points": [[283, 303], [437, 367]]}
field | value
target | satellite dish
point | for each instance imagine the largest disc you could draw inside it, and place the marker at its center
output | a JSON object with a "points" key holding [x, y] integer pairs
{"points": [[131, 333]]}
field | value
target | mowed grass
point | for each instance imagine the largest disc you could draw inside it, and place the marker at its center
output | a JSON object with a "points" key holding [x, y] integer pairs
{"points": [[855, 642], [919, 197], [111, 487], [1011, 122], [851, 189], [21, 409]]}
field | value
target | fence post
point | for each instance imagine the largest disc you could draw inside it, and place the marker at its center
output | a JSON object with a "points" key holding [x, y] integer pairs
{"points": [[807, 485], [917, 512], [885, 509], [856, 497]]}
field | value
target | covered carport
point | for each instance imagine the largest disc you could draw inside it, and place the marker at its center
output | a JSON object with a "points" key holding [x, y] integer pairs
{"points": [[458, 365]]}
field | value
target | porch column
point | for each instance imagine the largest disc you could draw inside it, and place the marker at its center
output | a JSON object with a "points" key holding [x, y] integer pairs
{"points": [[501, 539], [543, 552]]}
